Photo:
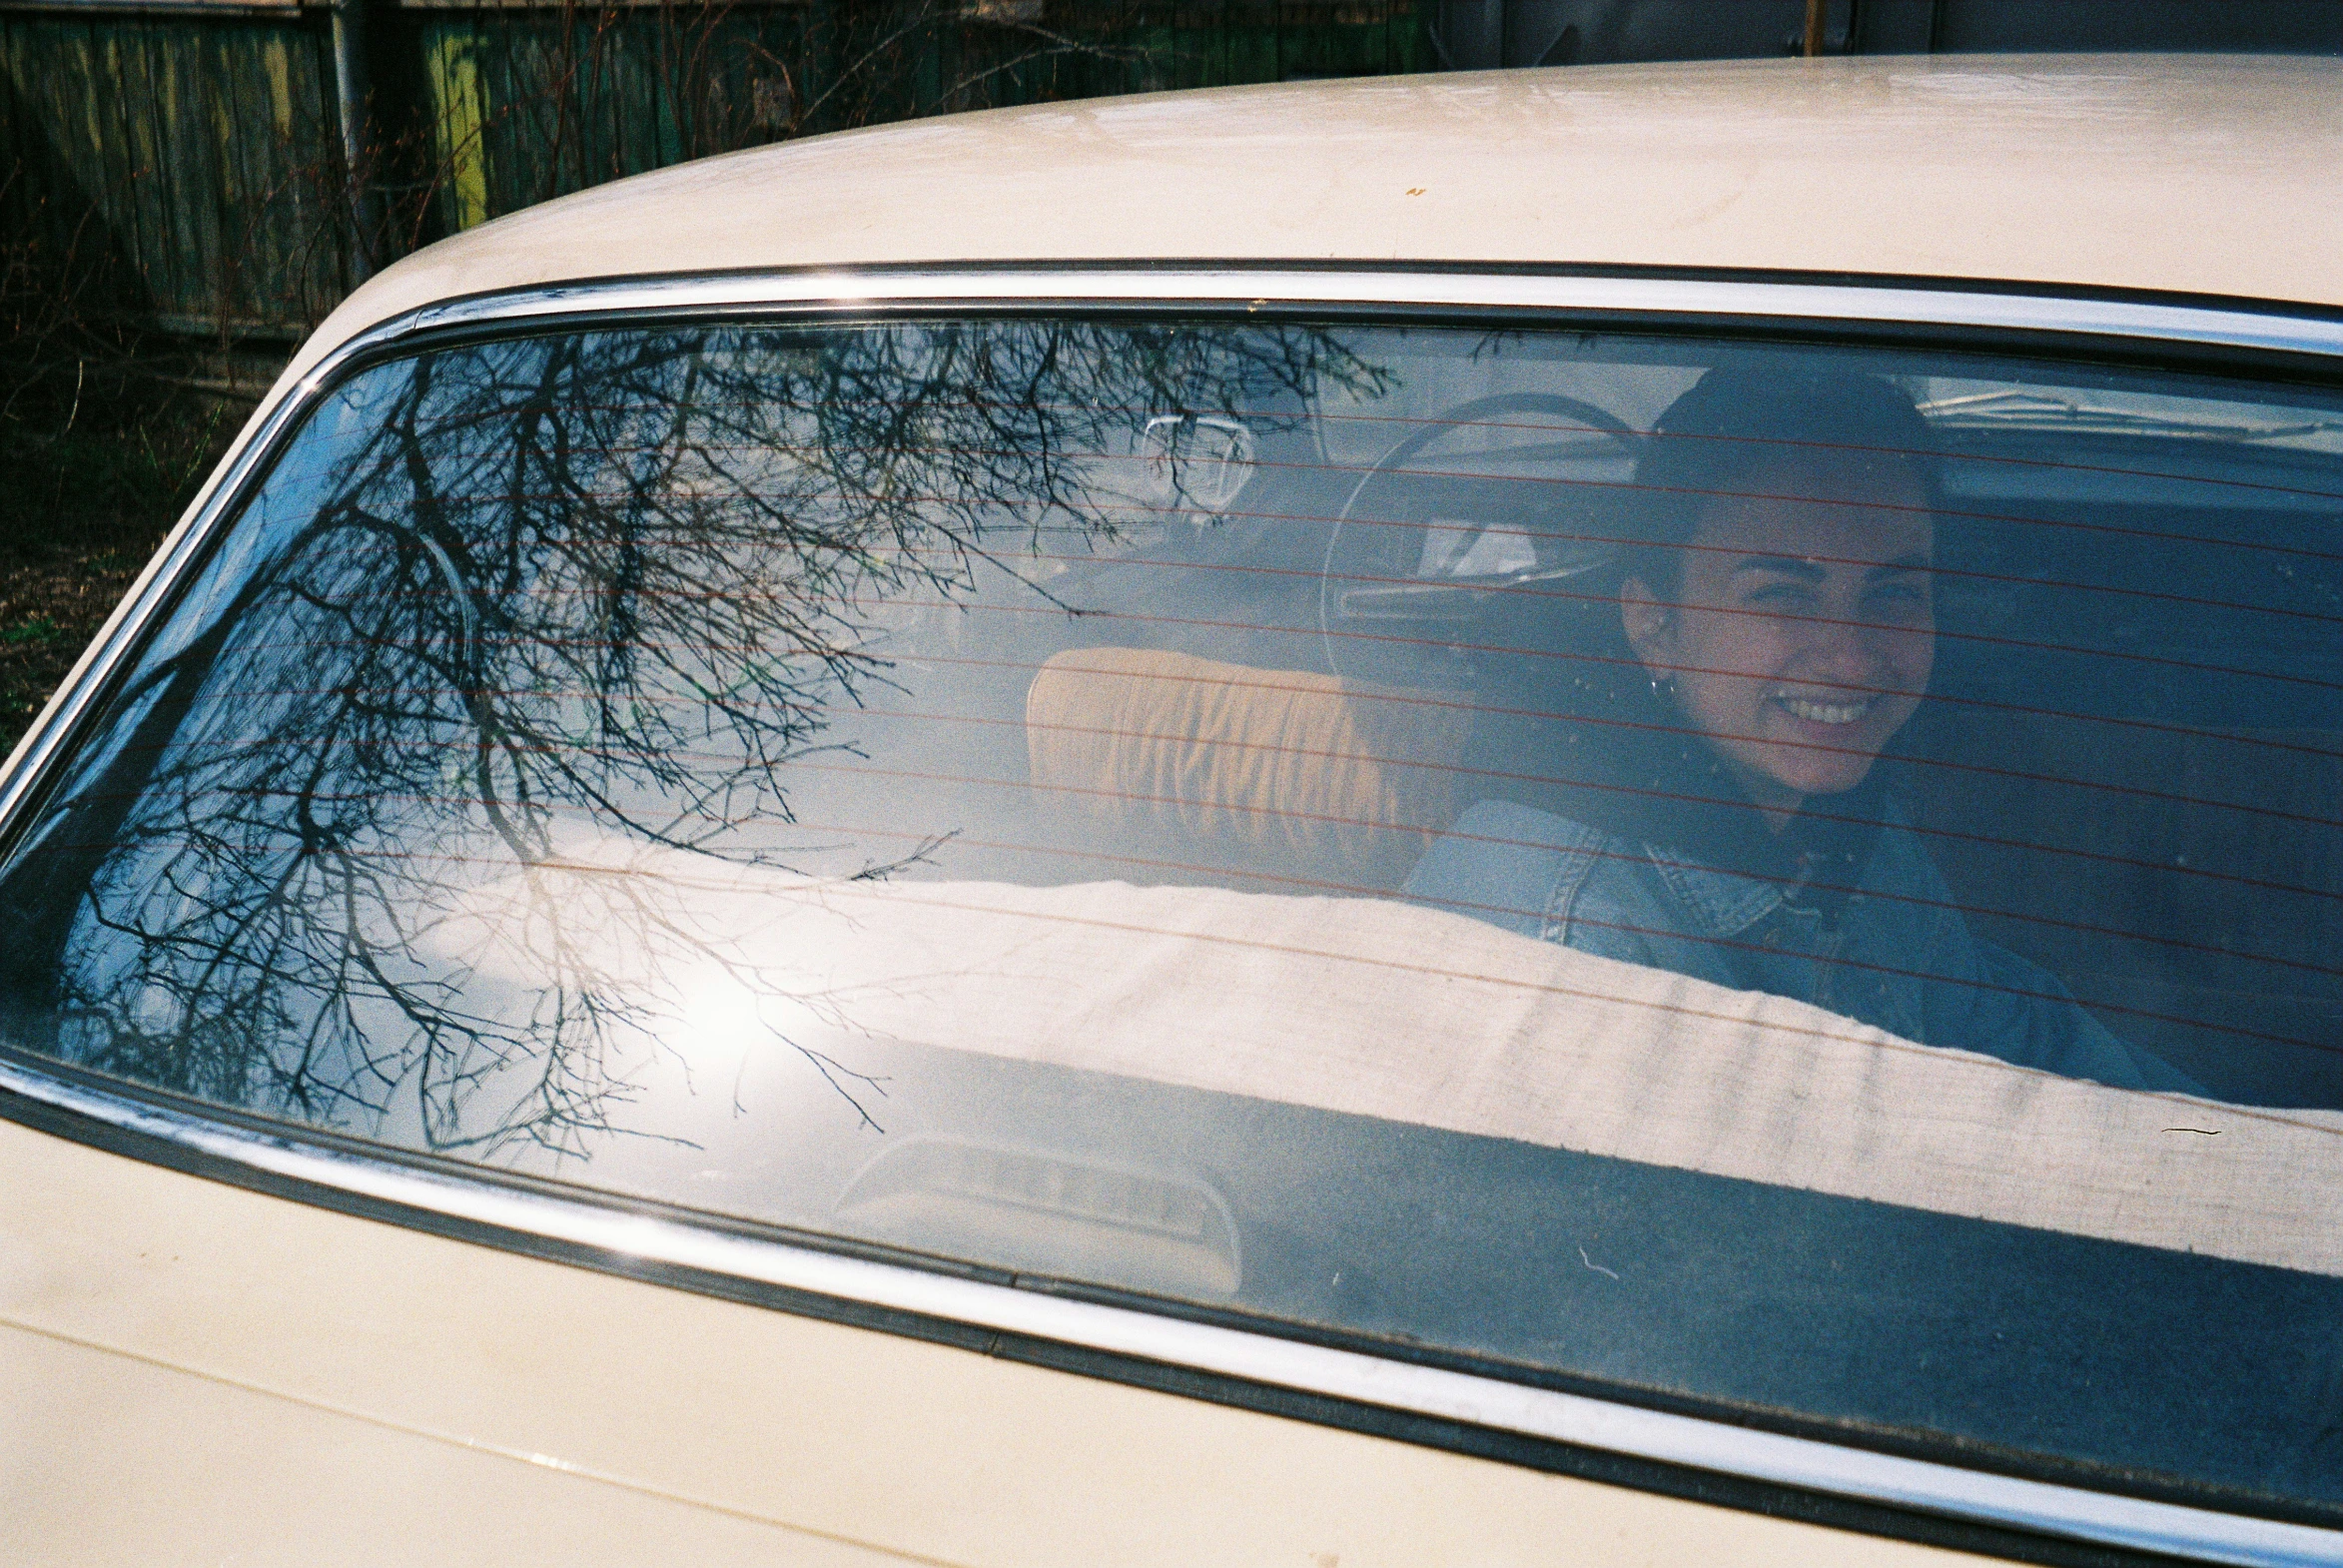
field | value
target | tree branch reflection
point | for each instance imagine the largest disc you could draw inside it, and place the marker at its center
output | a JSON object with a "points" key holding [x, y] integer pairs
{"points": [[612, 583]]}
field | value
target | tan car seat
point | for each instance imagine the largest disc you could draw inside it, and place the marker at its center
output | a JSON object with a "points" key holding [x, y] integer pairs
{"points": [[1285, 773]]}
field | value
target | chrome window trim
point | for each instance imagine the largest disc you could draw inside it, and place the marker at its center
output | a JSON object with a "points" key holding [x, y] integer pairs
{"points": [[2222, 325], [2071, 1513], [1808, 1464]]}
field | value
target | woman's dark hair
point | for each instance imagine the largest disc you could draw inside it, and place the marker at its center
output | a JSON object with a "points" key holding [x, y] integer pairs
{"points": [[1741, 418]]}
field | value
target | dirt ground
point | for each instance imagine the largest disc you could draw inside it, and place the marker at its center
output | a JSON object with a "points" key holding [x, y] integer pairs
{"points": [[83, 503]]}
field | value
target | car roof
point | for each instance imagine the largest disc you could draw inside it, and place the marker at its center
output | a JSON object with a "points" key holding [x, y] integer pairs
{"points": [[2207, 174]]}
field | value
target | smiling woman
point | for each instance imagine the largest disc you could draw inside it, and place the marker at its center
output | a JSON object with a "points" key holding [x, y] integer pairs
{"points": [[1779, 601], [1785, 598]]}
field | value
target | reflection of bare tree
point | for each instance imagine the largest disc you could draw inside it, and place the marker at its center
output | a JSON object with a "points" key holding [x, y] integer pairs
{"points": [[615, 579]]}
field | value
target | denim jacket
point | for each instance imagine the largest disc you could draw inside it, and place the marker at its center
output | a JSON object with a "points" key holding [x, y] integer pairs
{"points": [[1899, 956]]}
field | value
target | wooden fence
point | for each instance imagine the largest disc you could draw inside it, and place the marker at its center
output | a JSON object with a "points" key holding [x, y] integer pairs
{"points": [[186, 162]]}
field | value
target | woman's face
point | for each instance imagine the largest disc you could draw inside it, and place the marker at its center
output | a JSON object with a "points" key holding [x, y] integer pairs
{"points": [[1806, 627]]}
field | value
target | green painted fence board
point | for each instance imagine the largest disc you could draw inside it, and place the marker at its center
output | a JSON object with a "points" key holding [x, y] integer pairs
{"points": [[190, 167]]}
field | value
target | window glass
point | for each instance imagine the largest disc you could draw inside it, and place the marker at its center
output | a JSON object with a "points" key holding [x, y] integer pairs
{"points": [[1791, 881]]}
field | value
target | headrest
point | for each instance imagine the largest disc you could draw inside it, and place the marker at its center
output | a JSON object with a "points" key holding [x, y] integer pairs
{"points": [[1310, 772]]}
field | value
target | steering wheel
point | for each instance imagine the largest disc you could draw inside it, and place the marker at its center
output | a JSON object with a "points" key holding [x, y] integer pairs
{"points": [[1445, 422]]}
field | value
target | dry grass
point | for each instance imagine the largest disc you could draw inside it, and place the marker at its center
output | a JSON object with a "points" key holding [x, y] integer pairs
{"points": [[102, 445], [83, 503]]}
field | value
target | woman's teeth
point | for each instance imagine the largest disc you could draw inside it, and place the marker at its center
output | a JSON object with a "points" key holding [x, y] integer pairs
{"points": [[1826, 712]]}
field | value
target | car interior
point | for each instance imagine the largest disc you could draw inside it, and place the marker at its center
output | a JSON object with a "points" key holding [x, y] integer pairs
{"points": [[2127, 768]]}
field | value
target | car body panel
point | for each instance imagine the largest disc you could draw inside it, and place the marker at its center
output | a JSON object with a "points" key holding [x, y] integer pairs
{"points": [[524, 1410], [388, 1376], [313, 1484], [2106, 172]]}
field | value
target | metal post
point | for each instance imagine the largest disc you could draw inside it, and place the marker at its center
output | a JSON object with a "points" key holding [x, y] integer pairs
{"points": [[352, 89], [1817, 12]]}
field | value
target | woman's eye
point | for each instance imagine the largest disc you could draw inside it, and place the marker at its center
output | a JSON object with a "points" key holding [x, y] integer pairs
{"points": [[1786, 593]]}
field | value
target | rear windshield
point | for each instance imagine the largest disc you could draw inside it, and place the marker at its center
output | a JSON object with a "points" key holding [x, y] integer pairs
{"points": [[1799, 881]]}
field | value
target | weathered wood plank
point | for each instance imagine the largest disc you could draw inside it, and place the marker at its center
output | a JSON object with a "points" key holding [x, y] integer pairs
{"points": [[198, 147]]}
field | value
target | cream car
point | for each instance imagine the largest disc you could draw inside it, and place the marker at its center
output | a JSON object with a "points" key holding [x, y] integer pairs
{"points": [[1576, 817]]}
